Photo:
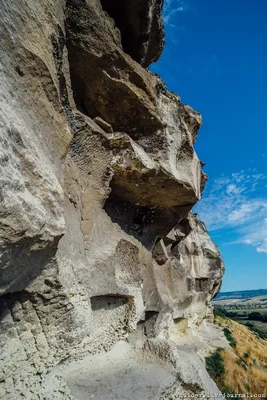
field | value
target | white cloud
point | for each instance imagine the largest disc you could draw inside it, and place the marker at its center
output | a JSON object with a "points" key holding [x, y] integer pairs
{"points": [[233, 189], [172, 7], [254, 234], [237, 202], [246, 211], [263, 247]]}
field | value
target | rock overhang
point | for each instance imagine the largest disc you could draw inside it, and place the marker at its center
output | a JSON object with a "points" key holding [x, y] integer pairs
{"points": [[112, 251]]}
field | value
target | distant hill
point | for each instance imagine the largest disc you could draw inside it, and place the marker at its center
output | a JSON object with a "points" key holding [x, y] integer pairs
{"points": [[242, 294]]}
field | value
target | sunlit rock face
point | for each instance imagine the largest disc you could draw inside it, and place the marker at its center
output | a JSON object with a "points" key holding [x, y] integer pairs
{"points": [[98, 175]]}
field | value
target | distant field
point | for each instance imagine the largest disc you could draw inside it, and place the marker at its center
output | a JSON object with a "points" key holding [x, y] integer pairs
{"points": [[248, 304], [242, 311], [246, 310], [258, 324], [251, 300], [261, 325]]}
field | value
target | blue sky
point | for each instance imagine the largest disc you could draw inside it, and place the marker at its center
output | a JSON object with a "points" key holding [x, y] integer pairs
{"points": [[215, 58]]}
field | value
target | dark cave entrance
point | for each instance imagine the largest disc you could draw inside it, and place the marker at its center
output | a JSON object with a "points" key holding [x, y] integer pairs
{"points": [[131, 19]]}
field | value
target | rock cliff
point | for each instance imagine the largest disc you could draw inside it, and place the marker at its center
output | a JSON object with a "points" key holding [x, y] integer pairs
{"points": [[105, 273]]}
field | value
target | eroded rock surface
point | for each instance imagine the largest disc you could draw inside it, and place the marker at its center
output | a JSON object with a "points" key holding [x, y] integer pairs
{"points": [[98, 175]]}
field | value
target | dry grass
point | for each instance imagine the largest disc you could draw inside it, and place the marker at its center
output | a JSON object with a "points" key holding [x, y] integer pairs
{"points": [[246, 364]]}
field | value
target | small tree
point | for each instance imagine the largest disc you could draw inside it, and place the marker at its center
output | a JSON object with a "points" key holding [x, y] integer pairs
{"points": [[256, 316]]}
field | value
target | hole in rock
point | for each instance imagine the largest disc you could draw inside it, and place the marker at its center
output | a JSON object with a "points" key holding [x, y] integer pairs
{"points": [[202, 284], [159, 253], [178, 328], [105, 302], [112, 315], [131, 23], [146, 224], [151, 314], [180, 324]]}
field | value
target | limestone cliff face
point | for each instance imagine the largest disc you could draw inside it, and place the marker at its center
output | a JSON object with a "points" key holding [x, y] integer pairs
{"points": [[98, 175]]}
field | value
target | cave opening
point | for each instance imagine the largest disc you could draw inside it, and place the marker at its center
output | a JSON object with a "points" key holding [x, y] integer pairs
{"points": [[130, 20], [147, 224]]}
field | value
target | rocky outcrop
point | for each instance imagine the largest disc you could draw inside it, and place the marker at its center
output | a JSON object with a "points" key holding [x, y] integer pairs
{"points": [[140, 27], [99, 248]]}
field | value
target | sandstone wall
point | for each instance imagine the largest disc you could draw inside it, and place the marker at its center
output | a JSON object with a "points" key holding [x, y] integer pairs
{"points": [[98, 175]]}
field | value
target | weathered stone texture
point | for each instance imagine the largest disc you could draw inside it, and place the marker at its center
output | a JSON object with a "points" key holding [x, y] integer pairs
{"points": [[98, 174]]}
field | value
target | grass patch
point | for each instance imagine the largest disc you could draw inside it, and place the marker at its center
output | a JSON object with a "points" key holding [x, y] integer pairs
{"points": [[215, 365], [244, 364], [257, 327], [247, 354], [229, 337]]}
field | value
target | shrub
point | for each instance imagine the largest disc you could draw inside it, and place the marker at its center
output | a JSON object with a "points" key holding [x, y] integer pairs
{"points": [[215, 365], [229, 337], [219, 312], [256, 316]]}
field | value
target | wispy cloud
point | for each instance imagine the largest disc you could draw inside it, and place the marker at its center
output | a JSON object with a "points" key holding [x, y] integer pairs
{"points": [[238, 202], [254, 234], [263, 247], [171, 8]]}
